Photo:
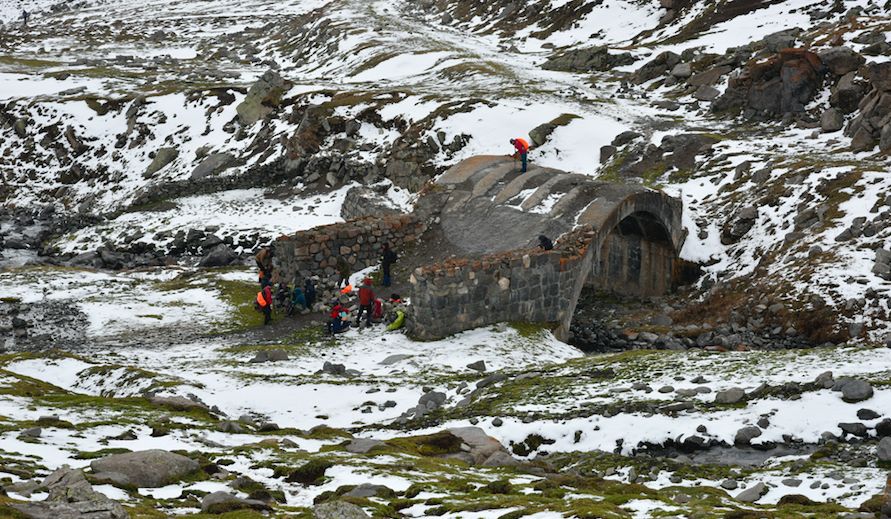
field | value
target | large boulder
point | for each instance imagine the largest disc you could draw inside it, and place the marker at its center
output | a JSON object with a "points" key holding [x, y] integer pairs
{"points": [[847, 93], [262, 98], [70, 496], [338, 510], [589, 59], [144, 469], [841, 60]]}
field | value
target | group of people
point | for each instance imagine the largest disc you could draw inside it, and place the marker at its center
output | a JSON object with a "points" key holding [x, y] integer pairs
{"points": [[373, 308], [303, 295], [289, 300]]}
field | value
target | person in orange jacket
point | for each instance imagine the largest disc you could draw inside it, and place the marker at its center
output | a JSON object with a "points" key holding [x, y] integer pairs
{"points": [[366, 301], [522, 147], [264, 303]]}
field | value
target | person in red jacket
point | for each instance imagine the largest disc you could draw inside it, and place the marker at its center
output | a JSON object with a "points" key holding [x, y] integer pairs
{"points": [[366, 300], [264, 303], [522, 147]]}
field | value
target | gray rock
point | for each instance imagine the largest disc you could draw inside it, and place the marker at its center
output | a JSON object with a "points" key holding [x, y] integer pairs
{"points": [[745, 435], [682, 71], [841, 60], [706, 93], [883, 450], [146, 469], [338, 510], [213, 164], [729, 484], [483, 448], [262, 97], [792, 482], [753, 493], [369, 490], [393, 359], [363, 445], [177, 403], [824, 380], [219, 256], [867, 414], [854, 429], [832, 121], [163, 157], [491, 379], [479, 365], [853, 390], [334, 369], [588, 59], [33, 432], [730, 396], [436, 397]]}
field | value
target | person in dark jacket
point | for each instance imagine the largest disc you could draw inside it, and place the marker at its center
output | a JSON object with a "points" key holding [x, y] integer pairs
{"points": [[366, 302], [309, 292], [388, 257], [545, 243]]}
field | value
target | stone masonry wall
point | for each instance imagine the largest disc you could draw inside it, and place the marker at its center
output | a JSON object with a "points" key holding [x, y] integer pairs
{"points": [[359, 242], [462, 294]]}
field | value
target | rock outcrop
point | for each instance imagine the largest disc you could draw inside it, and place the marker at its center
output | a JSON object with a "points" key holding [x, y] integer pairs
{"points": [[782, 84]]}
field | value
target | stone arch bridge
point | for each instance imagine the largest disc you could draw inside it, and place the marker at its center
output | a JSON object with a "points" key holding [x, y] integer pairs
{"points": [[619, 237]]}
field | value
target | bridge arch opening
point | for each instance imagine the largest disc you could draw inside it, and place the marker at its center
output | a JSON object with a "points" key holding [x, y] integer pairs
{"points": [[636, 258]]}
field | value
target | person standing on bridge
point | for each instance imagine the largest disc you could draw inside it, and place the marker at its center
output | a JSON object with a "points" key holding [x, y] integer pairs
{"points": [[522, 147]]}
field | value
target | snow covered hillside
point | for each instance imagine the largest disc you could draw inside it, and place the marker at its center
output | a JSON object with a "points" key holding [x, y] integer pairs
{"points": [[149, 149]]}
